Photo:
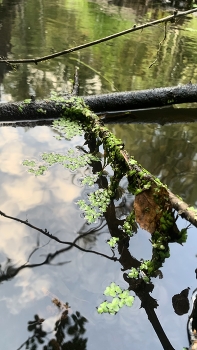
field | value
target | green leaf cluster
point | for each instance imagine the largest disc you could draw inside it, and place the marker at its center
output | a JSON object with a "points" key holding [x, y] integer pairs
{"points": [[71, 160], [112, 241], [67, 128], [34, 168], [130, 225], [90, 179], [120, 298], [97, 204], [134, 273]]}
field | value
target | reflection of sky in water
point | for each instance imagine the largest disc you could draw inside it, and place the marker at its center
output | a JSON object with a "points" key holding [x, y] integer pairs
{"points": [[49, 202]]}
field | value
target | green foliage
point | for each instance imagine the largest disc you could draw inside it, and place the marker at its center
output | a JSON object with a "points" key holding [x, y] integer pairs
{"points": [[97, 204], [139, 273], [120, 298], [183, 237], [130, 225], [90, 179], [72, 160], [38, 171], [30, 163], [34, 168], [67, 128], [40, 110], [112, 290], [134, 273], [112, 241]]}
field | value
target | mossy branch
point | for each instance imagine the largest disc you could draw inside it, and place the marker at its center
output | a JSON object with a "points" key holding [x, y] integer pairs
{"points": [[123, 165]]}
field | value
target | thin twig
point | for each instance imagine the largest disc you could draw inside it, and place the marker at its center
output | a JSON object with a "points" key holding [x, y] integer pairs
{"points": [[160, 45], [110, 37], [46, 233], [75, 91]]}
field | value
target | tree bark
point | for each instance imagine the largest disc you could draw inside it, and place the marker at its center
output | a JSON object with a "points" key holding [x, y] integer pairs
{"points": [[152, 98], [123, 101]]}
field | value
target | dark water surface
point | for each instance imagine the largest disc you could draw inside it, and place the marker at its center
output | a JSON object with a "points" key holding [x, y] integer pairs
{"points": [[36, 28]]}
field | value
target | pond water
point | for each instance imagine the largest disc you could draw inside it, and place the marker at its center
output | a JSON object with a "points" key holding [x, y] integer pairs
{"points": [[36, 28]]}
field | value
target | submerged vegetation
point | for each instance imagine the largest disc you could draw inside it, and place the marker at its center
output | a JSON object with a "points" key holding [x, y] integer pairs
{"points": [[152, 208]]}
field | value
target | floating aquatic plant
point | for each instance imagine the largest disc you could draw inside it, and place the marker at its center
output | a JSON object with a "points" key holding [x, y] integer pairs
{"points": [[120, 298], [90, 179], [96, 205], [72, 159], [67, 128], [112, 241]]}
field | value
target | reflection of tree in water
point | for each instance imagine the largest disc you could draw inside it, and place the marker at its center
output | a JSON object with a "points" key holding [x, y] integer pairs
{"points": [[7, 14], [186, 4], [73, 325]]}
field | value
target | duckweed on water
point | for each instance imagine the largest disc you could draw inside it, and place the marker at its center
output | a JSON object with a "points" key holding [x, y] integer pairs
{"points": [[67, 128], [90, 179], [72, 160], [96, 204], [120, 298], [112, 241]]}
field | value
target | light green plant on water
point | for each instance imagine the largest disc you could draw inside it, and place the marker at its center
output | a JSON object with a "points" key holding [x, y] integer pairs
{"points": [[112, 241], [120, 298], [72, 160], [96, 204], [34, 168], [137, 273], [90, 179], [130, 225], [67, 128]]}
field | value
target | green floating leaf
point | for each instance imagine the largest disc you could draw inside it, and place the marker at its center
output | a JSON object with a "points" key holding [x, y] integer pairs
{"points": [[90, 179], [38, 171], [112, 290], [67, 128], [103, 307], [72, 160], [124, 294], [120, 298], [121, 303], [112, 242], [129, 301], [27, 162], [96, 205]]}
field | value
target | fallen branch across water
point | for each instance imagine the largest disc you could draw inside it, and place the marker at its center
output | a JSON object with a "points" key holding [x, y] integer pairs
{"points": [[104, 104]]}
